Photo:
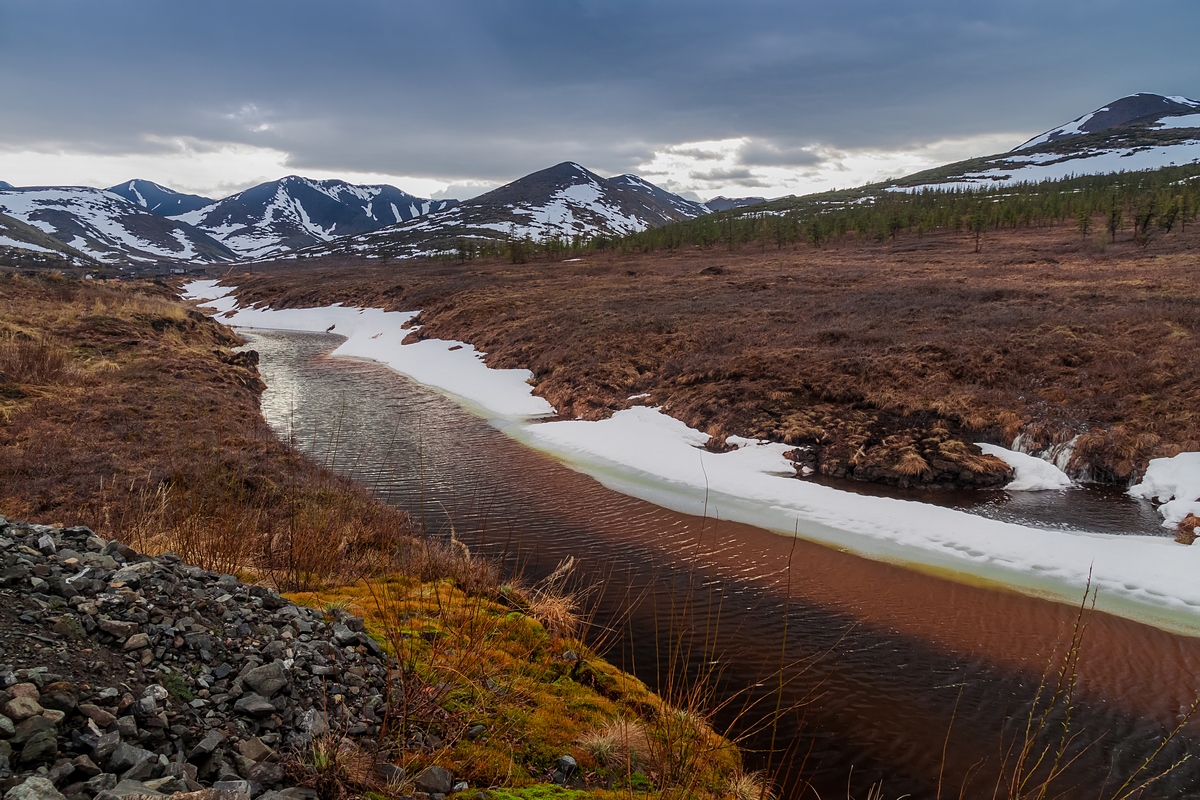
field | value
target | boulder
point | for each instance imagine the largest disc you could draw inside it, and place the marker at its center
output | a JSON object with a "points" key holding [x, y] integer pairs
{"points": [[435, 780], [34, 788]]}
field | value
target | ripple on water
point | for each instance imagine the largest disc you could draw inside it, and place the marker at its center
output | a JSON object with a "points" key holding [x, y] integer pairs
{"points": [[877, 659]]}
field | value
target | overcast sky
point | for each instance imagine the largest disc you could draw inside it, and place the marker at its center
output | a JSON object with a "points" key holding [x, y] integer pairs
{"points": [[450, 97]]}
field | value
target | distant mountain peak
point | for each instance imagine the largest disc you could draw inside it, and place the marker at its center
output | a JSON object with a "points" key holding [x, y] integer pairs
{"points": [[295, 212], [157, 198], [5, 185], [1140, 107]]}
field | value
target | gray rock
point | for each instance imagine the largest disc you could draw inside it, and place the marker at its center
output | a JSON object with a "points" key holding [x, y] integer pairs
{"points": [[390, 772], [100, 783], [34, 788], [567, 765], [266, 773], [118, 628], [105, 746], [255, 750], [475, 731], [20, 709], [343, 635], [254, 704], [31, 727], [7, 728], [267, 679], [240, 789], [86, 767], [125, 756], [435, 780], [41, 747], [211, 741], [137, 641], [127, 790]]}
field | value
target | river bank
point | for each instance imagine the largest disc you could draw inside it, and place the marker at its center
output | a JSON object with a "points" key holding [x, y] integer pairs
{"points": [[642, 451], [127, 412]]}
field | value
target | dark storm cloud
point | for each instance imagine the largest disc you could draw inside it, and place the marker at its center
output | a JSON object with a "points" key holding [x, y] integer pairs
{"points": [[484, 91]]}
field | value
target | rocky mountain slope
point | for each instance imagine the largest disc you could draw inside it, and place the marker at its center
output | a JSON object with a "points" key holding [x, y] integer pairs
{"points": [[566, 201], [106, 227], [1139, 132], [296, 212], [159, 199]]}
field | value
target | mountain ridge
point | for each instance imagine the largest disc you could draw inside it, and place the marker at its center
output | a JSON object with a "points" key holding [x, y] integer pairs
{"points": [[158, 198], [566, 201], [295, 212]]}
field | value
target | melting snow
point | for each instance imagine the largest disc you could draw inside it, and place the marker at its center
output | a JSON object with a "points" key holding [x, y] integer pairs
{"points": [[645, 453], [1175, 483]]}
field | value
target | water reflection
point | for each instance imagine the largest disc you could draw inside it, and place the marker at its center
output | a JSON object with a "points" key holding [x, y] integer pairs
{"points": [[878, 659]]}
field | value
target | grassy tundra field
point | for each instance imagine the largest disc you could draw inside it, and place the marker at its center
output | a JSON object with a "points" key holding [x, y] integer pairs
{"points": [[880, 360]]}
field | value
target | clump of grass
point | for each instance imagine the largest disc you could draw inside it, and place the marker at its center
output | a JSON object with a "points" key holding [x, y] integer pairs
{"points": [[750, 786], [618, 743], [336, 767], [555, 606]]}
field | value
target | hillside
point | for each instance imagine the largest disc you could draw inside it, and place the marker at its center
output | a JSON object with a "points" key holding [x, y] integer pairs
{"points": [[109, 228]]}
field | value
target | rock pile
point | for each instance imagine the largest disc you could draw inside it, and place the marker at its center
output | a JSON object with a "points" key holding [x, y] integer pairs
{"points": [[123, 675]]}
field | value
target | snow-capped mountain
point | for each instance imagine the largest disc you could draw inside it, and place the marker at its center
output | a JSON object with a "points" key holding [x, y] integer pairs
{"points": [[1140, 107], [106, 227], [14, 233], [159, 199], [5, 185], [728, 203], [296, 212], [565, 201], [1139, 132]]}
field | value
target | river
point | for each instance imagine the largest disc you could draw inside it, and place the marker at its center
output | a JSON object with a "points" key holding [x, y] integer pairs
{"points": [[882, 673]]}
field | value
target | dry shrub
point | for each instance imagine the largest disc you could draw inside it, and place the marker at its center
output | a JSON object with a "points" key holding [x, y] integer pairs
{"points": [[620, 743], [555, 606], [750, 786], [1186, 532], [38, 362], [336, 767]]}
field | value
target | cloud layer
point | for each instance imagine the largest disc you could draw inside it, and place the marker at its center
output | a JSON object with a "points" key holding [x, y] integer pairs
{"points": [[478, 93]]}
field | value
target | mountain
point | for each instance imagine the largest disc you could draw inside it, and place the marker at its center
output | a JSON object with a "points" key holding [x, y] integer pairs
{"points": [[14, 233], [687, 208], [564, 201], [729, 203], [108, 228], [5, 185], [159, 199], [296, 212], [1141, 107], [1139, 132]]}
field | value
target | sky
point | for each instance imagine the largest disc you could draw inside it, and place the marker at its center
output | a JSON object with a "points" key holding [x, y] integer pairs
{"points": [[449, 98]]}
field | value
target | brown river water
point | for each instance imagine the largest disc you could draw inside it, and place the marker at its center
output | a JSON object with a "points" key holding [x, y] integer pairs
{"points": [[880, 673]]}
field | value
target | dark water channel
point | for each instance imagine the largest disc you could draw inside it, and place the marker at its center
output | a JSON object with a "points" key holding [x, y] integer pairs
{"points": [[887, 674]]}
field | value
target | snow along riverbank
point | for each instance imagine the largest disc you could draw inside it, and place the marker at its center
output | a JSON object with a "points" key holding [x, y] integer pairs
{"points": [[644, 453]]}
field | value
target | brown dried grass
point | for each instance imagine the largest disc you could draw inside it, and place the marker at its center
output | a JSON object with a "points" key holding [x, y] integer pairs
{"points": [[835, 348]]}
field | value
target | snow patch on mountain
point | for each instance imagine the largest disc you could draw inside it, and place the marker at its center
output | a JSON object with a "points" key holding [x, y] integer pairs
{"points": [[1036, 167], [108, 227]]}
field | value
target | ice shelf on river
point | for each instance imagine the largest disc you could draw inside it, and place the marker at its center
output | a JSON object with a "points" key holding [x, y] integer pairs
{"points": [[642, 452]]}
